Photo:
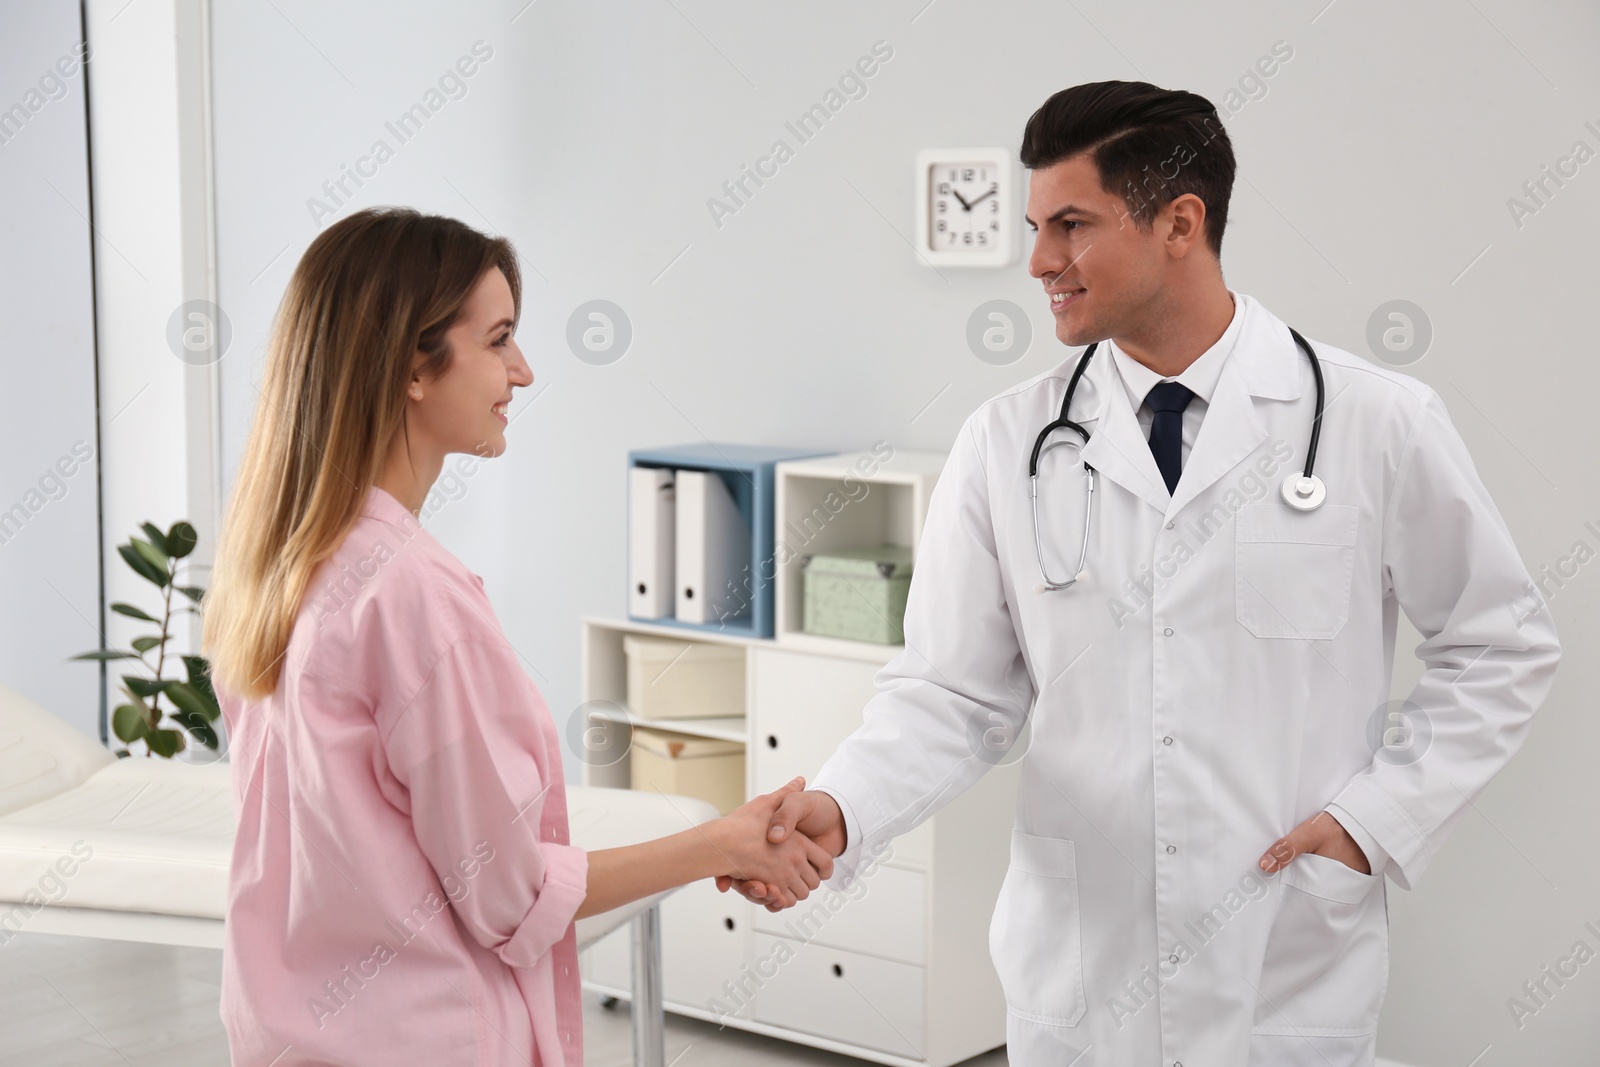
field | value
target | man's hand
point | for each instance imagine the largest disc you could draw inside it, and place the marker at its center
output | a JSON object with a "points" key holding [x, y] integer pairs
{"points": [[1320, 834], [786, 867], [811, 814]]}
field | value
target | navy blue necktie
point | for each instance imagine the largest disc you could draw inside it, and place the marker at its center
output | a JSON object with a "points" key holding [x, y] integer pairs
{"points": [[1167, 400]]}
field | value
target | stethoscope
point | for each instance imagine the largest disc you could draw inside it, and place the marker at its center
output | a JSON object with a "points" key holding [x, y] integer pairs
{"points": [[1303, 491]]}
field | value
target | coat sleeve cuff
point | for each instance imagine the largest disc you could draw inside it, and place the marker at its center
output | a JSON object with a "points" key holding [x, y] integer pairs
{"points": [[862, 850], [1377, 858], [1395, 833], [566, 884]]}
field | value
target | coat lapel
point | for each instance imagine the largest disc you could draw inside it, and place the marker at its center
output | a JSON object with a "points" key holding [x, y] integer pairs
{"points": [[1117, 448], [1264, 364]]}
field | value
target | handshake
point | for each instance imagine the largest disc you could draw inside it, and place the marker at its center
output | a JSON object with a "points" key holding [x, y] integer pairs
{"points": [[780, 846]]}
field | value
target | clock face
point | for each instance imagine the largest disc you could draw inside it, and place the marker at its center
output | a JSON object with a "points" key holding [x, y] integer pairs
{"points": [[964, 208]]}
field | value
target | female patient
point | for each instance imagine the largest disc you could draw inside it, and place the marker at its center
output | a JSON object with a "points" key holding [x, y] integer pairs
{"points": [[402, 887]]}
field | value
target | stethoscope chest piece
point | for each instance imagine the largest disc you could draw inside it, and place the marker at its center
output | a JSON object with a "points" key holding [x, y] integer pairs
{"points": [[1302, 493]]}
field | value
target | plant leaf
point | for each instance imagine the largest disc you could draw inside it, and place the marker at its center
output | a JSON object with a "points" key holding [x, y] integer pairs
{"points": [[181, 539], [187, 698], [104, 654], [142, 687], [144, 567], [200, 677], [132, 612], [193, 592], [150, 552], [163, 742], [128, 723], [198, 727], [145, 644], [157, 538]]}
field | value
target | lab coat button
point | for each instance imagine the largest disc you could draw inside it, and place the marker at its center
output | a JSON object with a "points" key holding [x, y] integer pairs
{"points": [[1166, 740], [1168, 631], [1170, 525], [1172, 958], [1172, 848]]}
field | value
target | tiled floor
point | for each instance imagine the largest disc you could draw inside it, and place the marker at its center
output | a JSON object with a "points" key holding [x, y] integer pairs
{"points": [[76, 1002]]}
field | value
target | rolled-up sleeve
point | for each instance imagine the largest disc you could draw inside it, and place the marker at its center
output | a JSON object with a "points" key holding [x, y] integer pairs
{"points": [[473, 749]]}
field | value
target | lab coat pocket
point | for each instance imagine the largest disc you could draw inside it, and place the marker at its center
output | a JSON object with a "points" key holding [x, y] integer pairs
{"points": [[1292, 569], [1326, 967], [1035, 936]]}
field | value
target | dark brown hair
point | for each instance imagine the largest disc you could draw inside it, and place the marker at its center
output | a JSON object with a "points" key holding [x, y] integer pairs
{"points": [[1150, 145]]}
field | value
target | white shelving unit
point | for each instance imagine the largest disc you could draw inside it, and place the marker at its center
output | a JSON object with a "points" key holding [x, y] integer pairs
{"points": [[829, 503], [897, 970]]}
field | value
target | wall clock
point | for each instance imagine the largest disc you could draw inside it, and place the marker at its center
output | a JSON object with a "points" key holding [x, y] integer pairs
{"points": [[967, 206]]}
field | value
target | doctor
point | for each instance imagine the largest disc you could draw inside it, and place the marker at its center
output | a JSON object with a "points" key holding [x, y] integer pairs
{"points": [[1213, 791]]}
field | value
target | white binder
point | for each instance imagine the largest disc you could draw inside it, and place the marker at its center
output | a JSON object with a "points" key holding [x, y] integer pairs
{"points": [[651, 537], [713, 548]]}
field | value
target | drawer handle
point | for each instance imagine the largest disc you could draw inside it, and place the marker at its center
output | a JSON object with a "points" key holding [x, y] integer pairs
{"points": [[838, 971], [728, 923], [772, 740]]}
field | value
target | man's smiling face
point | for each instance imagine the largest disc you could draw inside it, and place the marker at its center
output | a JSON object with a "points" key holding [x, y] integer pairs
{"points": [[1100, 270]]}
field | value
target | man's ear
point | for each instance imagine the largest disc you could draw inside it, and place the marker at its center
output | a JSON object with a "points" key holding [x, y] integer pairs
{"points": [[1187, 221]]}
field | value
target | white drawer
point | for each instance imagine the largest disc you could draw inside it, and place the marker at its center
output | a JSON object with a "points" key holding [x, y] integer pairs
{"points": [[861, 1000], [705, 937], [882, 914], [805, 705]]}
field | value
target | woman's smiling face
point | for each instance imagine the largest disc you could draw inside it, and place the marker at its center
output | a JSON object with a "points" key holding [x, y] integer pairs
{"points": [[464, 409]]}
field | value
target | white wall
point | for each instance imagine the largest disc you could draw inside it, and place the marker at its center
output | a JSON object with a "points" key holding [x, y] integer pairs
{"points": [[49, 499], [1376, 165]]}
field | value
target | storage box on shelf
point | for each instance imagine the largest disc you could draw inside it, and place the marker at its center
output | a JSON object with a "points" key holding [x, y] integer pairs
{"points": [[855, 500], [896, 969]]}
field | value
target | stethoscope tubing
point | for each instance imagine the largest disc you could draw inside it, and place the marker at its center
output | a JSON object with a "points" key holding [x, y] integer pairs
{"points": [[1063, 422]]}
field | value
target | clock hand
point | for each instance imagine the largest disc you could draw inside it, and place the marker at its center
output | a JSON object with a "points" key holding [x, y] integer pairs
{"points": [[979, 200], [964, 204]]}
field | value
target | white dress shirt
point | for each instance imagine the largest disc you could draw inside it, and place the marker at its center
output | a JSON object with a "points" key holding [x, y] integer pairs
{"points": [[1200, 377]]}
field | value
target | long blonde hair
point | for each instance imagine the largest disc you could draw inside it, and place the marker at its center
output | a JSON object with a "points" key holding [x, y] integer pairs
{"points": [[371, 292]]}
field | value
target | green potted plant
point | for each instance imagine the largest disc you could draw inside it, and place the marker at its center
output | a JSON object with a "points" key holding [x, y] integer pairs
{"points": [[193, 702]]}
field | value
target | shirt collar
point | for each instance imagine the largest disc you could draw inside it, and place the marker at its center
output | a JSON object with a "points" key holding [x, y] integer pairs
{"points": [[381, 504], [1200, 377]]}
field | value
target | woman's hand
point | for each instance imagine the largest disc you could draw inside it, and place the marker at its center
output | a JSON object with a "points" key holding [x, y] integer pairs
{"points": [[788, 869]]}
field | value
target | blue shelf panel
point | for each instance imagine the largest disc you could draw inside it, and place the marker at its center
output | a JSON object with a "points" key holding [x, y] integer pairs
{"points": [[750, 475]]}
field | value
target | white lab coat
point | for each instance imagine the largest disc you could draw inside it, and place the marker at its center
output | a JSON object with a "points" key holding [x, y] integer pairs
{"points": [[1216, 679]]}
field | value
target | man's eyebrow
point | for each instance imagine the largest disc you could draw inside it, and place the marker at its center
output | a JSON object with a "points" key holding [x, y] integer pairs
{"points": [[1061, 213]]}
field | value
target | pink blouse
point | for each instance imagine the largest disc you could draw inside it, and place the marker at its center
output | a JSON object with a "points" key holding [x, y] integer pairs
{"points": [[403, 887]]}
